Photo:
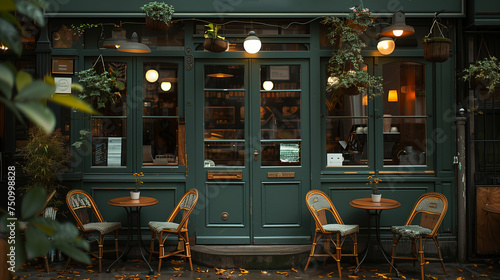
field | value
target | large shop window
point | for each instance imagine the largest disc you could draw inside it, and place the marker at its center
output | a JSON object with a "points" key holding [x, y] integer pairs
{"points": [[387, 129]]}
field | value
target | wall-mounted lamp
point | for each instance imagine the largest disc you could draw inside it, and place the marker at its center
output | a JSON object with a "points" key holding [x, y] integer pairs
{"points": [[118, 38], [398, 28], [364, 101], [134, 46], [386, 45], [268, 85], [252, 43], [152, 75], [392, 96]]}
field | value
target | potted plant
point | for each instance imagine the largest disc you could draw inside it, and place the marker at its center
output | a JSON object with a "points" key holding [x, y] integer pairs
{"points": [[136, 193], [373, 182], [436, 46], [345, 65], [45, 156], [214, 42], [158, 15], [99, 89], [487, 70]]}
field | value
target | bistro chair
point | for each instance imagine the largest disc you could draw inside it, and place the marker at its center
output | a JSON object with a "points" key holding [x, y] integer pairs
{"points": [[161, 230], [90, 221], [23, 225], [319, 204], [431, 208]]}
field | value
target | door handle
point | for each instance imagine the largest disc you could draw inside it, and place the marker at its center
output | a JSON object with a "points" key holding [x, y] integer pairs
{"points": [[255, 153]]}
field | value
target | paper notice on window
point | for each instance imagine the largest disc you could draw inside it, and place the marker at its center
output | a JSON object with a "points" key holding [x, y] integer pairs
{"points": [[289, 152], [114, 151], [334, 159]]}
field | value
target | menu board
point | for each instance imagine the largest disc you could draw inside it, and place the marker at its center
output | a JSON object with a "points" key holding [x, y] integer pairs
{"points": [[289, 152], [114, 151]]}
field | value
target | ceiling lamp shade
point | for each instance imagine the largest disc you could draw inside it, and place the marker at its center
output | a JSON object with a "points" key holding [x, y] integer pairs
{"points": [[134, 46], [398, 27], [220, 75], [252, 43], [392, 96], [118, 38], [386, 45], [268, 85], [152, 75]]}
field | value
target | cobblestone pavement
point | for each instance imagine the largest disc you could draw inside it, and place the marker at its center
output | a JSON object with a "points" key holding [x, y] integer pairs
{"points": [[482, 269]]}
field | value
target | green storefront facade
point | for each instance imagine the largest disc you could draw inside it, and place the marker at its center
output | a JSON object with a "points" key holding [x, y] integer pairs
{"points": [[254, 152]]}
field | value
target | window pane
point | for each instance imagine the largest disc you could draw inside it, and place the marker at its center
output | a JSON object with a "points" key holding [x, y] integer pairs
{"points": [[159, 95], [224, 115], [406, 143], [347, 141], [109, 142], [404, 118], [160, 141]]}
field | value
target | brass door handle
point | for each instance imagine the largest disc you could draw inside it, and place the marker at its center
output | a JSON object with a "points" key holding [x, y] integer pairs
{"points": [[255, 153]]}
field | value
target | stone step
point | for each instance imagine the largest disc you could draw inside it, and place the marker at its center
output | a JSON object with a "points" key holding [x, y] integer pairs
{"points": [[251, 256]]}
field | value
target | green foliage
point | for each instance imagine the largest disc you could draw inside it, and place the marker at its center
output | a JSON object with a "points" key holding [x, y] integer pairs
{"points": [[212, 31], [158, 11], [11, 30], [45, 157], [373, 183], [99, 88], [487, 69], [83, 140], [346, 61], [80, 29], [42, 234]]}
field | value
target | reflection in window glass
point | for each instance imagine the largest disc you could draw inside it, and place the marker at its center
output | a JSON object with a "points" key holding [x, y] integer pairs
{"points": [[404, 117], [280, 115], [109, 131], [160, 114], [346, 128], [224, 115]]}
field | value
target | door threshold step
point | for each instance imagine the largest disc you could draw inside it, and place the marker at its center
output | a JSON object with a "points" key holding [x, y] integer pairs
{"points": [[251, 256]]}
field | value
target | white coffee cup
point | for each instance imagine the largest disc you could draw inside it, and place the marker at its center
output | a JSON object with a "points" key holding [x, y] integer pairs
{"points": [[359, 130], [394, 129]]}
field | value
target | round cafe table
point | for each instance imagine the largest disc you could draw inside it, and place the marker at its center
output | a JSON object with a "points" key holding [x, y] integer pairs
{"points": [[374, 209], [133, 208]]}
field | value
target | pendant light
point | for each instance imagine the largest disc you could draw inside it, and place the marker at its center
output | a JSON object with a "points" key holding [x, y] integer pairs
{"points": [[252, 43], [398, 28], [134, 46], [152, 75], [118, 38], [267, 85], [386, 45]]}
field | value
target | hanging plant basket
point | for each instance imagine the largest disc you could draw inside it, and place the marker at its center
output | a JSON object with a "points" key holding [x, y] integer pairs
{"points": [[157, 25], [353, 90], [437, 46], [437, 49], [215, 45]]}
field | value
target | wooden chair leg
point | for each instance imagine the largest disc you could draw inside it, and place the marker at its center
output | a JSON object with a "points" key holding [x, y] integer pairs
{"points": [[313, 248], [46, 260], [151, 245], [160, 250], [356, 247], [439, 253], [421, 256], [338, 251], [395, 241], [101, 242], [188, 250]]}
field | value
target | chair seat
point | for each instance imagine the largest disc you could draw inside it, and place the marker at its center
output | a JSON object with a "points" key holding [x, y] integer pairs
{"points": [[411, 230], [342, 229], [104, 227], [159, 226]]}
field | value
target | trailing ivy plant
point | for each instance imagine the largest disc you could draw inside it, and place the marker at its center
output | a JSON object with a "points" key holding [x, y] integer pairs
{"points": [[158, 11], [487, 69], [80, 29], [345, 63], [99, 88]]}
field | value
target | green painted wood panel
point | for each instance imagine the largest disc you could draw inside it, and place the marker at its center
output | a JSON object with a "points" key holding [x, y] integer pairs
{"points": [[270, 7]]}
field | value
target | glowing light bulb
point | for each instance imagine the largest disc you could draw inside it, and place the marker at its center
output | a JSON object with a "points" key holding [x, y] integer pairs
{"points": [[397, 32]]}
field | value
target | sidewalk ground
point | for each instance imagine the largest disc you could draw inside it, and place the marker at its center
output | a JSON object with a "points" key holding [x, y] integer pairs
{"points": [[136, 270]]}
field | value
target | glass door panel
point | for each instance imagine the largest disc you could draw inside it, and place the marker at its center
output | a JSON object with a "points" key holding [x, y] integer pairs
{"points": [[280, 108], [224, 115]]}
